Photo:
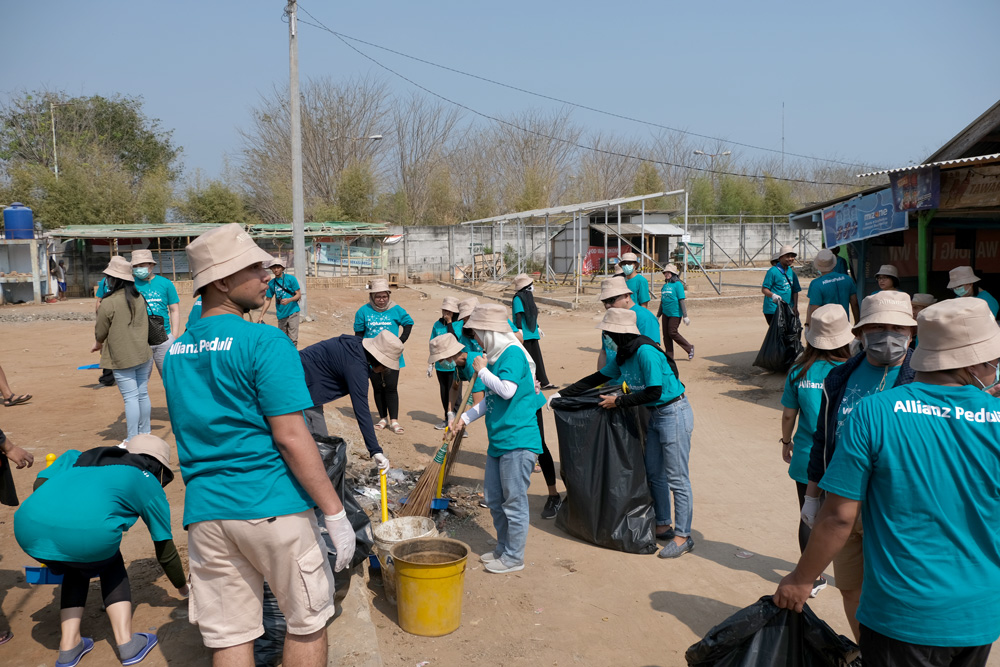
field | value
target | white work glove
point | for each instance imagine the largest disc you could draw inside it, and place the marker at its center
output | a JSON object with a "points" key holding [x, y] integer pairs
{"points": [[430, 370], [541, 334], [775, 297], [343, 537], [549, 403], [687, 320], [383, 463], [810, 507]]}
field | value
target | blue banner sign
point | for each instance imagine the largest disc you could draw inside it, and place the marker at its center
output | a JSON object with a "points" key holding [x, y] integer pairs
{"points": [[862, 218]]}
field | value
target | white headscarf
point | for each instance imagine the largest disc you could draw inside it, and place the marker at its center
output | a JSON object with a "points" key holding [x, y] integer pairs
{"points": [[496, 342]]}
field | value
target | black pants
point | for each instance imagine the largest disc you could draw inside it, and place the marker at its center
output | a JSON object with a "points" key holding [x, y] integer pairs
{"points": [[672, 334], [76, 581], [881, 651], [445, 381], [804, 530], [535, 350], [545, 461], [385, 386]]}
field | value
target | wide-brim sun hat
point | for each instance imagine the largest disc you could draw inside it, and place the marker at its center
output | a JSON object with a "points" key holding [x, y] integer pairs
{"points": [[829, 328], [120, 268], [920, 299], [386, 348], [888, 307], [378, 285], [444, 346], [466, 306], [955, 333], [618, 269], [149, 444], [887, 270], [672, 268], [142, 257], [824, 261], [612, 287], [450, 304], [220, 253], [782, 251], [276, 261], [629, 257], [489, 317], [521, 281], [619, 320], [961, 275]]}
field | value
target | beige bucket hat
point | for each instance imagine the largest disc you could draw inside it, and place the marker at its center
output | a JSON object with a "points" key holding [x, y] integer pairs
{"points": [[149, 444], [782, 251], [489, 317], [629, 257], [612, 287], [443, 347], [618, 270], [824, 261], [829, 328], [955, 333], [221, 252], [672, 268], [466, 306], [378, 285], [277, 261], [386, 348], [887, 270], [619, 320], [521, 281], [961, 275], [119, 267], [920, 299], [450, 304], [142, 257], [889, 307]]}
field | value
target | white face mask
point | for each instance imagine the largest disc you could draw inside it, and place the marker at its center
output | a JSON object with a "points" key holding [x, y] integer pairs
{"points": [[996, 377]]}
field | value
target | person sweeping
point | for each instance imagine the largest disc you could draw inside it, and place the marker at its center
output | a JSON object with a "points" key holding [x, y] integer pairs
{"points": [[511, 399], [449, 386]]}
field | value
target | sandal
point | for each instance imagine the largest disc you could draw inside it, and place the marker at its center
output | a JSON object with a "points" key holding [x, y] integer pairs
{"points": [[6, 636], [380, 425], [15, 400], [396, 428]]}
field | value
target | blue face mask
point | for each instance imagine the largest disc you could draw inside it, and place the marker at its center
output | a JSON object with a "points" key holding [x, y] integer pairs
{"points": [[627, 269], [961, 290], [612, 345], [996, 377], [141, 273]]}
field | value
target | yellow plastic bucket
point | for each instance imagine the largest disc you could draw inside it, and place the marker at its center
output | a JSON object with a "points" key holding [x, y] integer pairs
{"points": [[430, 582]]}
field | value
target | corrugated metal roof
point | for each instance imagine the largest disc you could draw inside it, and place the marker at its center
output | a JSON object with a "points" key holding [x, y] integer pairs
{"points": [[570, 208], [632, 229], [979, 159], [175, 230]]}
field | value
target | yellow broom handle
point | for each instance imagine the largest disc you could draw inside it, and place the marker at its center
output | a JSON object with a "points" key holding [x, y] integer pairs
{"points": [[385, 504]]}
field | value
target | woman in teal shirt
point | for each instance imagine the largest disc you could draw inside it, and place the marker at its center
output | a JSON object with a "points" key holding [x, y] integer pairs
{"points": [[378, 314], [526, 322], [448, 383], [651, 378], [962, 281], [781, 283], [512, 400], [673, 310], [828, 340]]}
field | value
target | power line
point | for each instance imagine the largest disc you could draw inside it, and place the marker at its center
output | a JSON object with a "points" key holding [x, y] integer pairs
{"points": [[550, 137], [585, 107]]}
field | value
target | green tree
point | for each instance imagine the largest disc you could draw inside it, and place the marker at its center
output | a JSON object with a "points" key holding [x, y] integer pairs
{"points": [[212, 202], [738, 194], [356, 192], [648, 181], [701, 196], [778, 197]]}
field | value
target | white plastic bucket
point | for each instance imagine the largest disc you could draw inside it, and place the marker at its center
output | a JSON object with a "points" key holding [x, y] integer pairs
{"points": [[392, 532]]}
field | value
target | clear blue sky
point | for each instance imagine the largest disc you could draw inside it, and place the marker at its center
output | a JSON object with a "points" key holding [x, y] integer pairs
{"points": [[880, 82]]}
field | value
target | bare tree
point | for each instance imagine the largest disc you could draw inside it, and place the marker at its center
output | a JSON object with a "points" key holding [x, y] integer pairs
{"points": [[607, 172]]}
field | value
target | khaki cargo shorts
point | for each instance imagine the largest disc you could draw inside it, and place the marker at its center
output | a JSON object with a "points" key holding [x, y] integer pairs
{"points": [[849, 563], [231, 559], [290, 327]]}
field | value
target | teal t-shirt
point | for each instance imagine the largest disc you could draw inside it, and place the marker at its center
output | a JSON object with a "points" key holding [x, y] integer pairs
{"points": [[925, 461], [159, 294], [438, 329], [372, 322], [283, 288], [648, 326], [102, 288], [988, 298], [511, 424], [195, 313], [782, 282], [467, 372], [80, 514], [518, 307], [864, 381], [223, 378], [648, 367], [670, 297], [804, 396], [640, 288], [832, 288]]}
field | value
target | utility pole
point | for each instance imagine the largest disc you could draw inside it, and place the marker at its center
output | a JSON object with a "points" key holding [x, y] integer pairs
{"points": [[55, 153], [298, 212]]}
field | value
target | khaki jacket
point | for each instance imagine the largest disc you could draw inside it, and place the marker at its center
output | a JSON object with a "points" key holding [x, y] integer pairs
{"points": [[125, 337]]}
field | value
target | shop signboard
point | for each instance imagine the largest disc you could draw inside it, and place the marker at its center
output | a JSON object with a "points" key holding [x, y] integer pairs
{"points": [[862, 218], [916, 190]]}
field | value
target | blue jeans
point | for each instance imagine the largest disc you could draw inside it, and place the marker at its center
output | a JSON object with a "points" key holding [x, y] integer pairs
{"points": [[668, 446], [133, 384], [506, 487]]}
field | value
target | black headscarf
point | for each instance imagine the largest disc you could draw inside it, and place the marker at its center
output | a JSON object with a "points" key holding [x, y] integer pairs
{"points": [[629, 344], [530, 309], [116, 456]]}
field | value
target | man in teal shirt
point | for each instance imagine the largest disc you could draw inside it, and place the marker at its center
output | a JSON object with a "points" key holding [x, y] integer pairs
{"points": [[253, 473], [781, 283], [831, 287], [285, 291], [161, 301], [919, 463]]}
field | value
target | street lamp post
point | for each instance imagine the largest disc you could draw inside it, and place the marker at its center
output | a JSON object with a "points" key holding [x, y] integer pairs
{"points": [[712, 157], [52, 116]]}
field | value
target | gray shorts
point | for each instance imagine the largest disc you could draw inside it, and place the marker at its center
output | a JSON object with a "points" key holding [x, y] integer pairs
{"points": [[290, 327]]}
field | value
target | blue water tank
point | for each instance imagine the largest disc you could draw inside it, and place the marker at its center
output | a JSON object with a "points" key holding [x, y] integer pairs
{"points": [[17, 222]]}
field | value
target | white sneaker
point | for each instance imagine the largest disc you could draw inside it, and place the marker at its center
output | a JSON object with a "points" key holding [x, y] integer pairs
{"points": [[499, 567], [818, 585], [488, 557]]}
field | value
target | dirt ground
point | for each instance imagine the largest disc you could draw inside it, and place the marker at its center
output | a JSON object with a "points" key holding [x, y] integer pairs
{"points": [[574, 604]]}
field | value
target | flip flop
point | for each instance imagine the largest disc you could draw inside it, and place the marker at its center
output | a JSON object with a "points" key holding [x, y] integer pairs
{"points": [[150, 643], [16, 400], [6, 636]]}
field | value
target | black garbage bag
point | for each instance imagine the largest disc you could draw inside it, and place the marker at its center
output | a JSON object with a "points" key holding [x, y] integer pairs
{"points": [[600, 454], [783, 342], [267, 648], [762, 635]]}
